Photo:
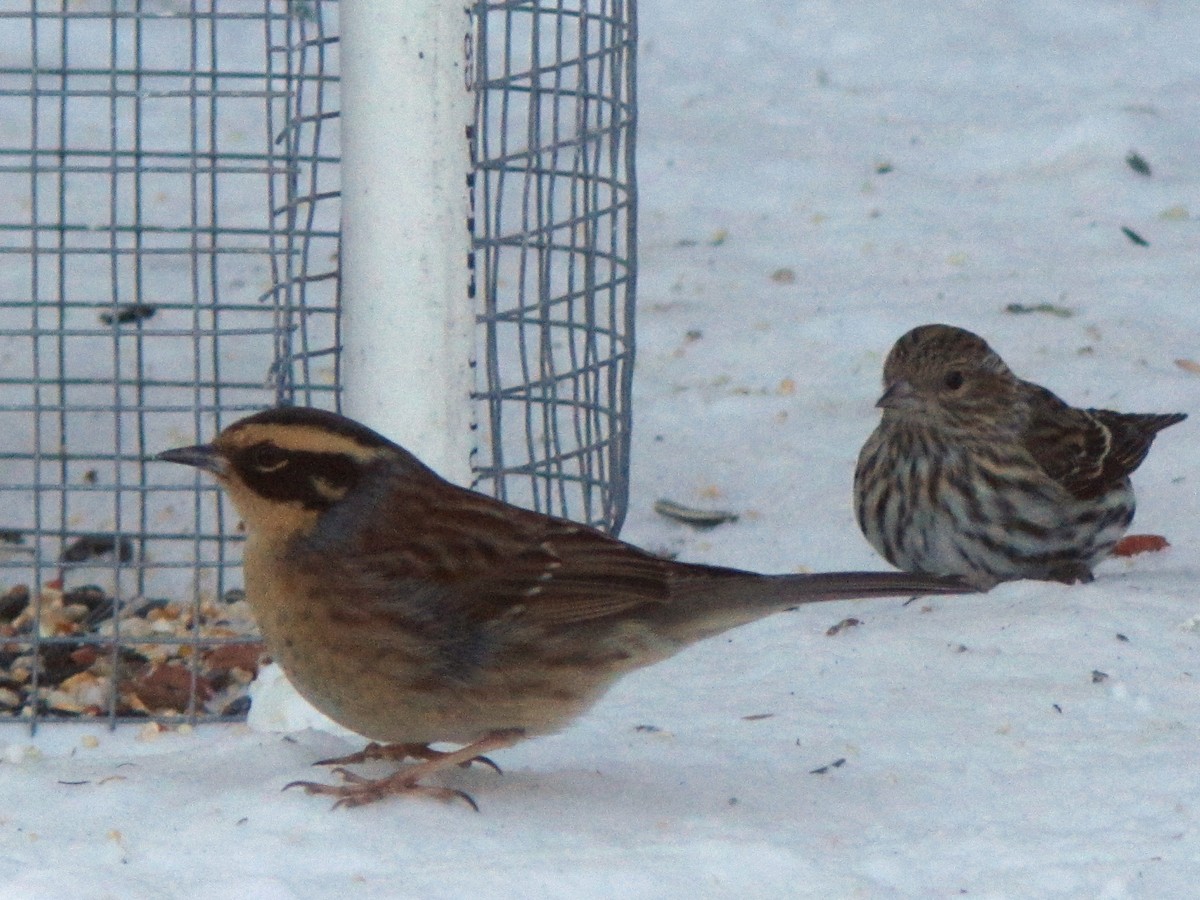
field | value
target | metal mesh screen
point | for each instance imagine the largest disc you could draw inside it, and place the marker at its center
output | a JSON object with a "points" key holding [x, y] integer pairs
{"points": [[554, 236], [166, 266], [169, 241]]}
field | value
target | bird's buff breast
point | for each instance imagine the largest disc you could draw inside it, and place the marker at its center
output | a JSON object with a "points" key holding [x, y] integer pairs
{"points": [[374, 679]]}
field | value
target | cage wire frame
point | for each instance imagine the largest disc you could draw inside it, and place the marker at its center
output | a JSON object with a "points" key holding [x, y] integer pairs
{"points": [[159, 252], [170, 263], [555, 250]]}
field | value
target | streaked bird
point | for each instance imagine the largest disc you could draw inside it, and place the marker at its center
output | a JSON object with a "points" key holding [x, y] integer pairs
{"points": [[974, 472]]}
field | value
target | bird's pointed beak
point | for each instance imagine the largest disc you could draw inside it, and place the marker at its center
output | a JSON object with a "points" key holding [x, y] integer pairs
{"points": [[899, 394], [202, 456]]}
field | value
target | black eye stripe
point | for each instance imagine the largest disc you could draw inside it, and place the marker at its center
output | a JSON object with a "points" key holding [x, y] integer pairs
{"points": [[315, 480]]}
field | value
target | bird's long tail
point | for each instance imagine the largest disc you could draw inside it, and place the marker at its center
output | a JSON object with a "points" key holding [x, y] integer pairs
{"points": [[709, 606], [822, 586]]}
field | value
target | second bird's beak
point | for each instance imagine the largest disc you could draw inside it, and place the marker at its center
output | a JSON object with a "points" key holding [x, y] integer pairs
{"points": [[202, 456], [898, 395]]}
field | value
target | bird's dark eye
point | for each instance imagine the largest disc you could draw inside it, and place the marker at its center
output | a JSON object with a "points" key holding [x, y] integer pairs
{"points": [[267, 457], [954, 380]]}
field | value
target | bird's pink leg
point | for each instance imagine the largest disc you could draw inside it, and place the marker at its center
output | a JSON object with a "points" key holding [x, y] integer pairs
{"points": [[359, 791], [399, 753]]}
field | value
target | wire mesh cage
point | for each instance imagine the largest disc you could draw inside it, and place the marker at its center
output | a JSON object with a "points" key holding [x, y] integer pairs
{"points": [[170, 250], [165, 268], [554, 206]]}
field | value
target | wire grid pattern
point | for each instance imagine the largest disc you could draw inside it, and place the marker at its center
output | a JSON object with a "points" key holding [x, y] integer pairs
{"points": [[170, 263], [167, 262], [554, 208]]}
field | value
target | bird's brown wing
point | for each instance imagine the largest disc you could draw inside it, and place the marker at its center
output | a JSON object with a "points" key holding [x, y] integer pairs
{"points": [[492, 560], [1087, 451], [1130, 437], [565, 573]]}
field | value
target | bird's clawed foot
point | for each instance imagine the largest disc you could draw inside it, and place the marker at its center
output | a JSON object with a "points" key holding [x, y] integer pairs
{"points": [[358, 791], [355, 790], [400, 753]]}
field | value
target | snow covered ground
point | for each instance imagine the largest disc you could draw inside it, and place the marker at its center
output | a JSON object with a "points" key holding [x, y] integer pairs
{"points": [[816, 177]]}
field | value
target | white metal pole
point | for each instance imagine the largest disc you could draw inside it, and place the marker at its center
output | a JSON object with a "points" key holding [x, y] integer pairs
{"points": [[407, 320]]}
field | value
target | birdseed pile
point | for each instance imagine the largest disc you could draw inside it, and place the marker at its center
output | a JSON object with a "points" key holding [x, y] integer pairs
{"points": [[79, 653]]}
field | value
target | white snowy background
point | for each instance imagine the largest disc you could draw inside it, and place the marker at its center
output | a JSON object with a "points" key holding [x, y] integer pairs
{"points": [[816, 177]]}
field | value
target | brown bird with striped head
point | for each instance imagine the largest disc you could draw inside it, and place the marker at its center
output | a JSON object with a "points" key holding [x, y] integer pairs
{"points": [[413, 611]]}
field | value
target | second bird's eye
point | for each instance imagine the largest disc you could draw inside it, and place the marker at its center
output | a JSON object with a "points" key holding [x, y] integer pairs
{"points": [[954, 380], [268, 458]]}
